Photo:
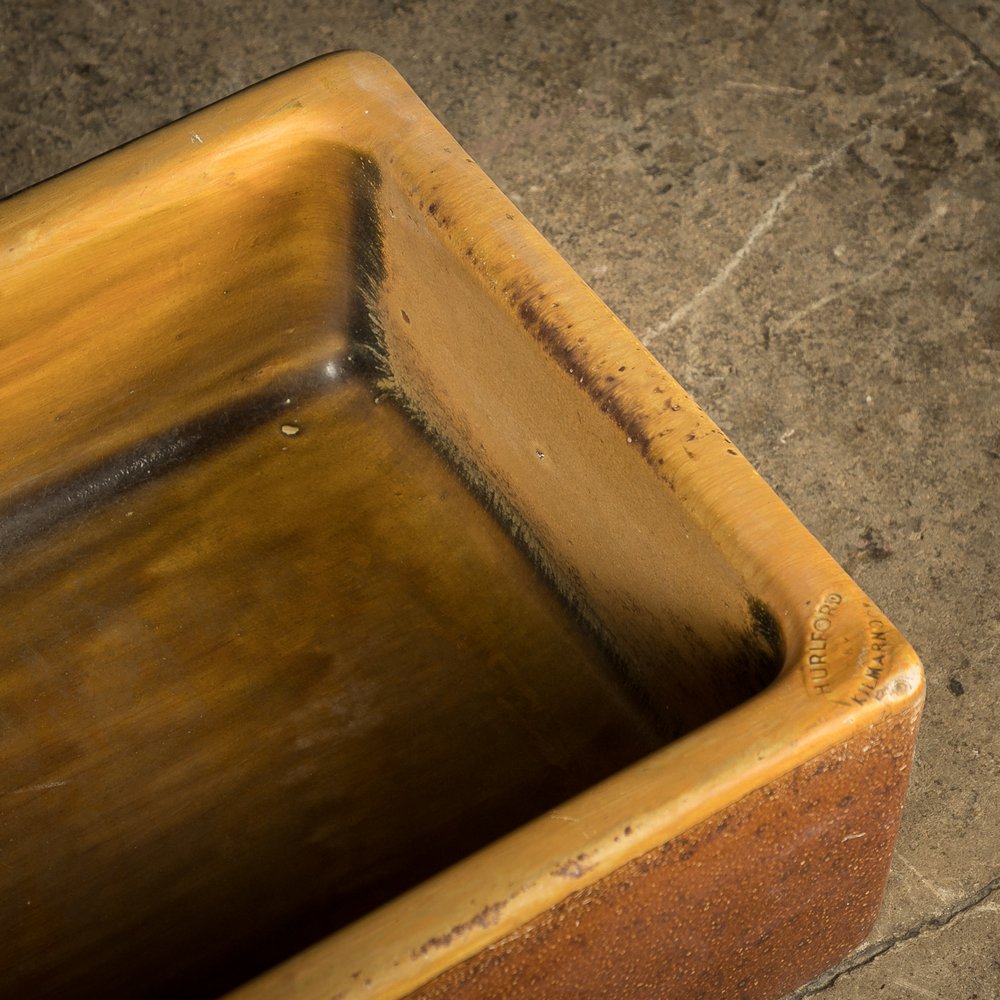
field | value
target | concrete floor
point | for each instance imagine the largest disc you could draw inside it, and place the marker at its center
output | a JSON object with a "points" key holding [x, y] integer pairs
{"points": [[795, 206]]}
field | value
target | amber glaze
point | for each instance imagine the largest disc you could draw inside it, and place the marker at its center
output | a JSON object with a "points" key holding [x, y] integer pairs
{"points": [[275, 684]]}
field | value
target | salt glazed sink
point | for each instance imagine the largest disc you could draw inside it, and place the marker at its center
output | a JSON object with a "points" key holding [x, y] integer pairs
{"points": [[379, 618]]}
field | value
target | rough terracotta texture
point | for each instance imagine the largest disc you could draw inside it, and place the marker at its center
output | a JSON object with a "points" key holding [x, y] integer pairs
{"points": [[770, 890], [796, 204]]}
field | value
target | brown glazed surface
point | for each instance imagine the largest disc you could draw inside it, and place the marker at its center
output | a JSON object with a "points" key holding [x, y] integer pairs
{"points": [[750, 903], [292, 692]]}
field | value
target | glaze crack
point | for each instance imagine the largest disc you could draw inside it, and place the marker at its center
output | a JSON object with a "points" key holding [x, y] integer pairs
{"points": [[868, 955]]}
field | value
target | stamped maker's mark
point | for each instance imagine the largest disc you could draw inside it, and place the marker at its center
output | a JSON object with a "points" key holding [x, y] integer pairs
{"points": [[817, 662], [821, 677], [878, 648]]}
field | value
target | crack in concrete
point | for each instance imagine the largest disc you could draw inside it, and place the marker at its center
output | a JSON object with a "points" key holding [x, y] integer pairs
{"points": [[868, 955], [778, 204], [919, 232], [763, 226], [960, 35]]}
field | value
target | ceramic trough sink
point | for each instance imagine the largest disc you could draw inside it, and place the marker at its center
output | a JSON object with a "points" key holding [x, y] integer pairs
{"points": [[379, 619]]}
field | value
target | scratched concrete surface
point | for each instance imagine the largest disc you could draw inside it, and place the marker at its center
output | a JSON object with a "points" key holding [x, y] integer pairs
{"points": [[796, 206]]}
